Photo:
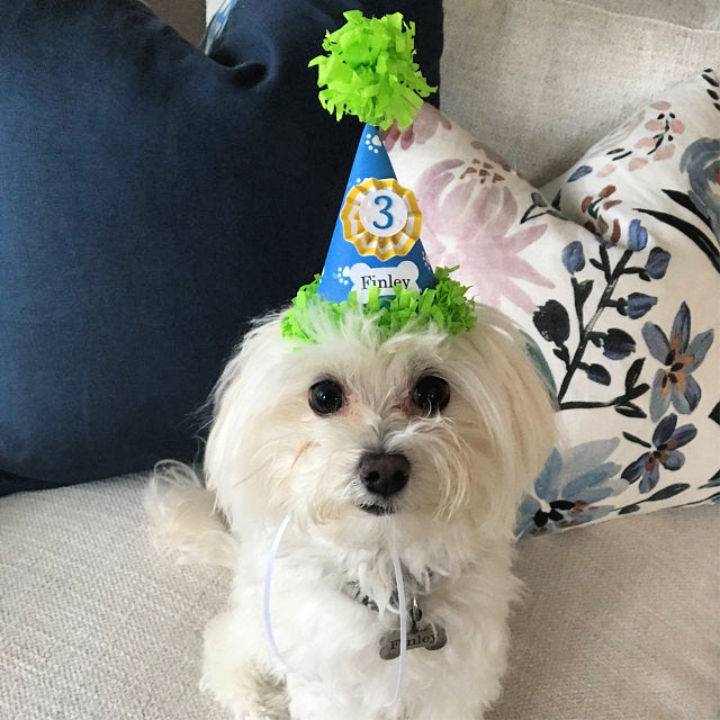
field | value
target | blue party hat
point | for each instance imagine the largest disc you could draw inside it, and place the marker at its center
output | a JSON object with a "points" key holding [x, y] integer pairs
{"points": [[376, 242], [376, 263]]}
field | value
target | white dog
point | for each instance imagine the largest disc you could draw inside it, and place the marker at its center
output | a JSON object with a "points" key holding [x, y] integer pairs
{"points": [[417, 448]]}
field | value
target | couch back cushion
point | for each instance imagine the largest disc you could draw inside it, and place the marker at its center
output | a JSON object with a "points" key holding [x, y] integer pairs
{"points": [[152, 200], [540, 81]]}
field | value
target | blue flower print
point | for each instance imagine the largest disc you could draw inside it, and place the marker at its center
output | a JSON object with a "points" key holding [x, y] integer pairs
{"points": [[666, 440], [701, 161], [657, 263], [637, 236], [636, 304], [682, 356], [616, 344], [573, 257], [579, 172], [569, 488]]}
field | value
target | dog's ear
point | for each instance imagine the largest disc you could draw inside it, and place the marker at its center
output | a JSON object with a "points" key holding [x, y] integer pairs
{"points": [[239, 397], [513, 398]]}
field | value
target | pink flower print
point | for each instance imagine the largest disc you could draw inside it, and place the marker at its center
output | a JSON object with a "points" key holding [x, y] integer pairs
{"points": [[637, 163], [664, 152], [665, 127], [425, 125], [492, 156], [659, 144], [677, 126], [607, 170], [475, 226], [645, 142], [490, 169]]}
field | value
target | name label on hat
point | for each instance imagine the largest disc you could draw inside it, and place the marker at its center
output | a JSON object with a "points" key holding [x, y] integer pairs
{"points": [[386, 279]]}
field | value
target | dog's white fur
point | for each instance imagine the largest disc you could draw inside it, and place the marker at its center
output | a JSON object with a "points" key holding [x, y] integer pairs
{"points": [[268, 454]]}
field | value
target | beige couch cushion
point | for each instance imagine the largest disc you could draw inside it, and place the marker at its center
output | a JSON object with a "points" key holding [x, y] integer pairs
{"points": [[539, 81], [620, 622], [94, 625]]}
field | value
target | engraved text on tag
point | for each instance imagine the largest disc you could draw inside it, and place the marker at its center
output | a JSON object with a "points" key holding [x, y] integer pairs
{"points": [[425, 635]]}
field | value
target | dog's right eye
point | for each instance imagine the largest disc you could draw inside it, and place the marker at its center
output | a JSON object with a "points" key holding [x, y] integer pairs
{"points": [[325, 397]]}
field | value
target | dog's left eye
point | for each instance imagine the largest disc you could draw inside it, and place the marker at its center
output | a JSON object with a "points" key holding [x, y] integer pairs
{"points": [[325, 397], [431, 394]]}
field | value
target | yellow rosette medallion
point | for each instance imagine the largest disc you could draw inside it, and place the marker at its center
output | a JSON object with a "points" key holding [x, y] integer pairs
{"points": [[381, 218]]}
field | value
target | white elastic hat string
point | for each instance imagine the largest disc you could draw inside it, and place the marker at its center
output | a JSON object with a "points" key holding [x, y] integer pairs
{"points": [[402, 609], [267, 587], [402, 605]]}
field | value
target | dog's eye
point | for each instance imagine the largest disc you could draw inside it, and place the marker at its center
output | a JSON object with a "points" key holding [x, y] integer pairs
{"points": [[431, 394], [326, 397]]}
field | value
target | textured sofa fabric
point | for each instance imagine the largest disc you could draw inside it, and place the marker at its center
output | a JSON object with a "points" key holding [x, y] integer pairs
{"points": [[97, 626], [620, 620], [140, 183], [539, 81]]}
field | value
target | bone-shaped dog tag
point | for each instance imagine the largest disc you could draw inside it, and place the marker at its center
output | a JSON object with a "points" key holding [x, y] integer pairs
{"points": [[430, 637]]}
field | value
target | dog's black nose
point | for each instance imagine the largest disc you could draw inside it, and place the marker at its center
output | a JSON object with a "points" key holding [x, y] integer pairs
{"points": [[384, 474]]}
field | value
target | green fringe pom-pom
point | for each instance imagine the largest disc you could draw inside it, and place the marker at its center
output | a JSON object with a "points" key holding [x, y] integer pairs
{"points": [[369, 71], [445, 306]]}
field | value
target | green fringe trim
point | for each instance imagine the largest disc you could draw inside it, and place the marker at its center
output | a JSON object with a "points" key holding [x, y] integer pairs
{"points": [[444, 306], [369, 71]]}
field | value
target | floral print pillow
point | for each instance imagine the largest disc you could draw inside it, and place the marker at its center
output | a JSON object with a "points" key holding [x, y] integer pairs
{"points": [[613, 272]]}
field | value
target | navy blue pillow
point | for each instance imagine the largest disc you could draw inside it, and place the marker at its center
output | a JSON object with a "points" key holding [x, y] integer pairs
{"points": [[152, 200]]}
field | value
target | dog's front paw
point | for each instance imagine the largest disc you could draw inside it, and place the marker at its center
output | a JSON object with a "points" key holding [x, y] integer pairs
{"points": [[250, 698], [237, 679]]}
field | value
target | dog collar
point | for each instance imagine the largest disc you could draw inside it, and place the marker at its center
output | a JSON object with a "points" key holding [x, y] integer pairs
{"points": [[428, 635], [352, 589]]}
